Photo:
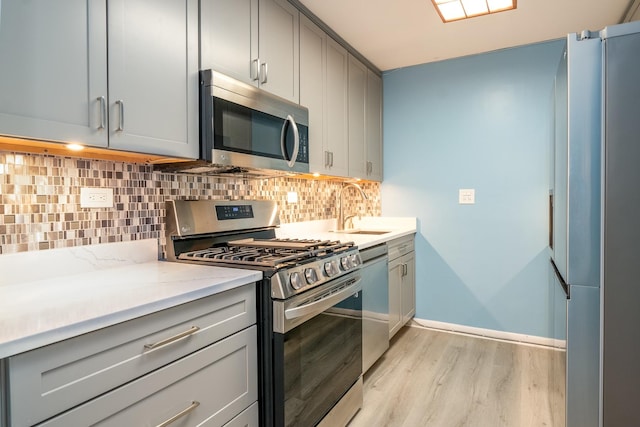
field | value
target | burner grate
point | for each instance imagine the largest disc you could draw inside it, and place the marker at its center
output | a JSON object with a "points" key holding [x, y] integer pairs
{"points": [[274, 253]]}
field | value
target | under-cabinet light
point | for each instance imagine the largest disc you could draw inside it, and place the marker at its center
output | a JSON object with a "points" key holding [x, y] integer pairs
{"points": [[455, 10], [75, 147]]}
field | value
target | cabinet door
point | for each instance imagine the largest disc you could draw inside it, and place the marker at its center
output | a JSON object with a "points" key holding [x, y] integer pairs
{"points": [[209, 387], [408, 287], [153, 76], [395, 301], [313, 43], [229, 37], [373, 129], [357, 93], [53, 68], [279, 49], [337, 93]]}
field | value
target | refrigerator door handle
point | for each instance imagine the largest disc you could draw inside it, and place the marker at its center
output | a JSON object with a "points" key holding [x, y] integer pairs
{"points": [[565, 286]]}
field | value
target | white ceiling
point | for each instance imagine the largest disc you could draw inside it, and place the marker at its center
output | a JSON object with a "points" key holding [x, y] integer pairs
{"points": [[398, 33]]}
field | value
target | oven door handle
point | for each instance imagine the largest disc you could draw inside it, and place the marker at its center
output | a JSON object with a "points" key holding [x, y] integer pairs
{"points": [[322, 304]]}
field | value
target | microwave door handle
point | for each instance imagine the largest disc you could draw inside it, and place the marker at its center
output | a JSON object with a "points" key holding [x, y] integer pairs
{"points": [[296, 140]]}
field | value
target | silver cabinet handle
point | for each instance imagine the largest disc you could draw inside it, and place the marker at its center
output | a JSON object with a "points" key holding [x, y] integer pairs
{"points": [[296, 140], [103, 112], [180, 414], [404, 270], [120, 103], [326, 159], [264, 71], [331, 156], [255, 69], [174, 338]]}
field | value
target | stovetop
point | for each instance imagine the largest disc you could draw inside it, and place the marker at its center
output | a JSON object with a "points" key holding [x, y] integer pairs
{"points": [[241, 234], [291, 265], [275, 253]]}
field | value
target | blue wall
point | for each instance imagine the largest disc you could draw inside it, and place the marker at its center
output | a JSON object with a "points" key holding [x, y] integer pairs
{"points": [[482, 122]]}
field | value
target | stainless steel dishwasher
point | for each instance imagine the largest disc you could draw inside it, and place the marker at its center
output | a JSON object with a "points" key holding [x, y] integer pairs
{"points": [[375, 304]]}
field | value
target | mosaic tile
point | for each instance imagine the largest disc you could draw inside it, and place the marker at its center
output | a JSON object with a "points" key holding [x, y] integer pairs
{"points": [[40, 200]]}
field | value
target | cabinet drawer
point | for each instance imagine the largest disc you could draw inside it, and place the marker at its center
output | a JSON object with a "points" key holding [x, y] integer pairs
{"points": [[248, 418], [400, 246], [49, 380], [215, 383]]}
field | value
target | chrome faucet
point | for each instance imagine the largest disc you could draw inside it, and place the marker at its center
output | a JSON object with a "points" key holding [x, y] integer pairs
{"points": [[341, 219]]}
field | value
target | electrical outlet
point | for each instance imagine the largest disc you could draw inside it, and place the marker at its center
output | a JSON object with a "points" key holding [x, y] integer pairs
{"points": [[467, 196], [95, 197], [292, 197]]}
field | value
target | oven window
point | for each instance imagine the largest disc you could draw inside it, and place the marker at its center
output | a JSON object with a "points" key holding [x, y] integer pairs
{"points": [[322, 360]]}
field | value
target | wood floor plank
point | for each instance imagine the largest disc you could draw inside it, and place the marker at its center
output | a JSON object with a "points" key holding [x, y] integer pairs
{"points": [[430, 378]]}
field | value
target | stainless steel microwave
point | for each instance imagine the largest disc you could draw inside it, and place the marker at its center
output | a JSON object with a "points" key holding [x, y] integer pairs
{"points": [[248, 130]]}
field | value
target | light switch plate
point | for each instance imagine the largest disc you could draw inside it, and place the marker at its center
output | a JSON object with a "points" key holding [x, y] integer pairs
{"points": [[95, 197], [467, 196]]}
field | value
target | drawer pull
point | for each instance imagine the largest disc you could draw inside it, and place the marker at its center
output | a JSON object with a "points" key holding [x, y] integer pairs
{"points": [[174, 338], [180, 414]]}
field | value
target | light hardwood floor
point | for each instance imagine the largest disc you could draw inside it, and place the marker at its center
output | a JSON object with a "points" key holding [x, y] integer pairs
{"points": [[430, 378]]}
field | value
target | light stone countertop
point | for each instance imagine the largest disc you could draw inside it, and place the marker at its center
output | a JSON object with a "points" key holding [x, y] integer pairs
{"points": [[49, 296], [394, 227]]}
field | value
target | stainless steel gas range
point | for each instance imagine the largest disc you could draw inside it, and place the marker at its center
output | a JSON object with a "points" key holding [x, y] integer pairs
{"points": [[309, 306]]}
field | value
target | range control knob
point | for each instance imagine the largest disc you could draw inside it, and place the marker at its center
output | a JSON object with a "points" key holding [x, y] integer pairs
{"points": [[330, 269], [295, 280], [355, 260], [346, 263], [311, 275]]}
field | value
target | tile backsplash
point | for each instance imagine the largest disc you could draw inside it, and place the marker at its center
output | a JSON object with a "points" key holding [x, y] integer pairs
{"points": [[40, 200]]}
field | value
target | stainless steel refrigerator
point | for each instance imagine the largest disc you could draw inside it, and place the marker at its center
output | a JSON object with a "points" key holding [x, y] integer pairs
{"points": [[595, 222]]}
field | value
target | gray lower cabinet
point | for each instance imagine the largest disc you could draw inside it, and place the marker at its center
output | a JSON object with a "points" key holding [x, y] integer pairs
{"points": [[402, 283], [208, 387], [247, 418], [57, 58], [143, 367]]}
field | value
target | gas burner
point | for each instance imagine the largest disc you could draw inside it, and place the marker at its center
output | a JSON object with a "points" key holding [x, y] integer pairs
{"points": [[274, 253], [302, 244]]}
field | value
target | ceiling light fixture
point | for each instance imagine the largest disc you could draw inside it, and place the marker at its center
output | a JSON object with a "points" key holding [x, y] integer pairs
{"points": [[455, 10]]}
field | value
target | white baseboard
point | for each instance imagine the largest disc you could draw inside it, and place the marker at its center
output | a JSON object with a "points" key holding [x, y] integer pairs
{"points": [[524, 339]]}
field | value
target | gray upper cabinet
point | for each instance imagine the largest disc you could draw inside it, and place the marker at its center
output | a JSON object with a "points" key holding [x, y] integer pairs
{"points": [[54, 73], [373, 127], [323, 90], [279, 46], [254, 41], [153, 76], [357, 99], [229, 38], [53, 70], [365, 122]]}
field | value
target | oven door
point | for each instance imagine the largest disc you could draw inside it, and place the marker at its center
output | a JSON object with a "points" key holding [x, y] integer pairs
{"points": [[317, 350]]}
